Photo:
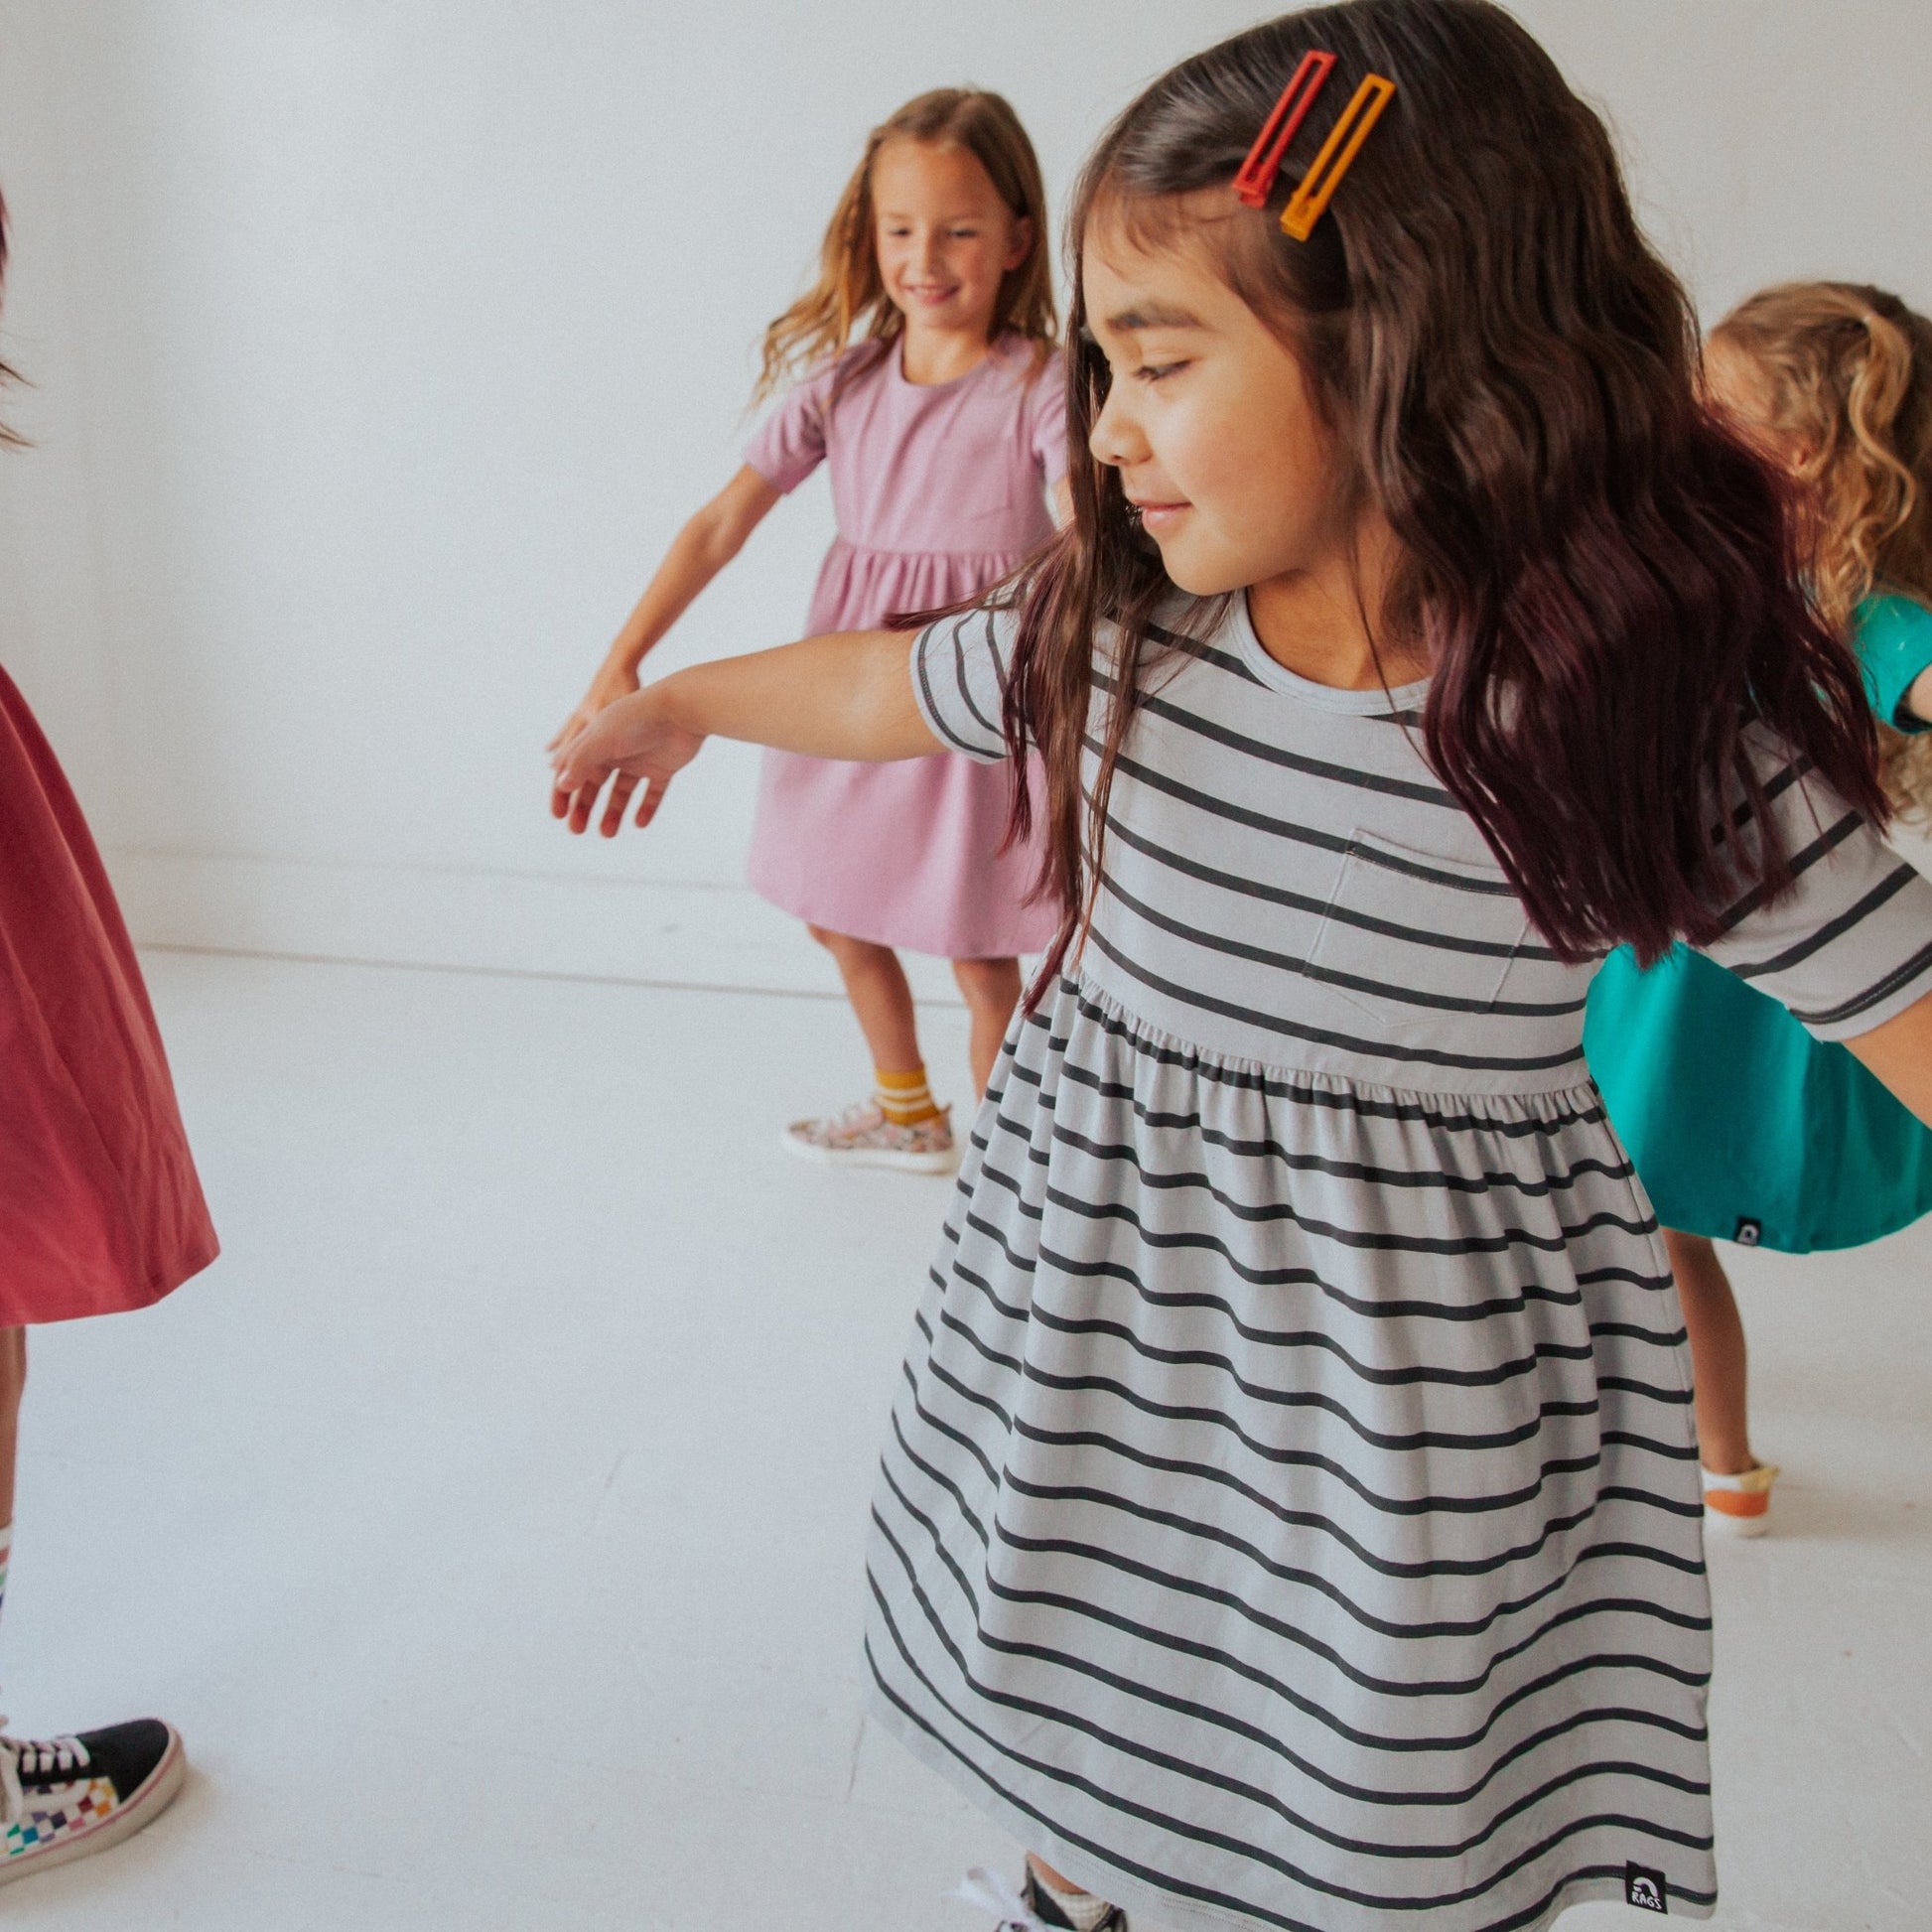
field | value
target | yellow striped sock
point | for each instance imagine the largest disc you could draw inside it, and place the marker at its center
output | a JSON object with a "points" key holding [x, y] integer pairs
{"points": [[905, 1098]]}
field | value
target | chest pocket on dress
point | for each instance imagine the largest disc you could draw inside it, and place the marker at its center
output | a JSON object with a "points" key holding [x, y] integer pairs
{"points": [[983, 485], [1416, 939]]}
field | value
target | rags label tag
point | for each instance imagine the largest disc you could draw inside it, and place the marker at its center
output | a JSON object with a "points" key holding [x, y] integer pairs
{"points": [[1645, 1890]]}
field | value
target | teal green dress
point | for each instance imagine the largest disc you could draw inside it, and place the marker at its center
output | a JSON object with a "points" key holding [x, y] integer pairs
{"points": [[1741, 1125]]}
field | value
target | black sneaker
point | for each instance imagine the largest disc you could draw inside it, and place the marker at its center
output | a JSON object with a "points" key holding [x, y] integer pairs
{"points": [[70, 1796], [1031, 1909], [1039, 1901]]}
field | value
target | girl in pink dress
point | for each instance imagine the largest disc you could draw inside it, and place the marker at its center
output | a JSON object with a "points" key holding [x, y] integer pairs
{"points": [[944, 426]]}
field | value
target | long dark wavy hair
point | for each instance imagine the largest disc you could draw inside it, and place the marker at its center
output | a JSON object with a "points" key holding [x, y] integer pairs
{"points": [[1604, 576]]}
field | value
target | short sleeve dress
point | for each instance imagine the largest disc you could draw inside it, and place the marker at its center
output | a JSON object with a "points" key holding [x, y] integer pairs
{"points": [[1743, 1127], [939, 491], [100, 1208], [1289, 1514]]}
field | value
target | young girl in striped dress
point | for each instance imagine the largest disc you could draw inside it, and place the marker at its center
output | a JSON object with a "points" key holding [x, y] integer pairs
{"points": [[1743, 1125], [943, 428], [1290, 1511]]}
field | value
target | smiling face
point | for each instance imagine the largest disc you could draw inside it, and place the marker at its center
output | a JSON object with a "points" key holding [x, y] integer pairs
{"points": [[1210, 419], [944, 239]]}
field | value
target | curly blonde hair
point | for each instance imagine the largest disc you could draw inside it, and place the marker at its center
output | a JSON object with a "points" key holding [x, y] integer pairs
{"points": [[849, 294], [1846, 377]]}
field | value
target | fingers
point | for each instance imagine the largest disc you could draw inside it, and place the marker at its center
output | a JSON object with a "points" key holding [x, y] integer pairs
{"points": [[615, 806], [614, 748], [584, 806], [579, 805], [571, 772], [648, 805], [574, 803], [573, 787], [575, 806]]}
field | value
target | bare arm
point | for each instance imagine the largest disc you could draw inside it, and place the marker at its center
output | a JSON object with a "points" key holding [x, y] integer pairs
{"points": [[698, 551], [844, 696], [1900, 1053]]}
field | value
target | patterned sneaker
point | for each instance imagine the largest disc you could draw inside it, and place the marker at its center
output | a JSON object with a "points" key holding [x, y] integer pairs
{"points": [[1739, 1505], [861, 1137], [1032, 1908], [70, 1796]]}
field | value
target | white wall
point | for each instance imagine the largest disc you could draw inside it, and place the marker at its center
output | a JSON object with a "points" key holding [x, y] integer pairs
{"points": [[383, 345]]}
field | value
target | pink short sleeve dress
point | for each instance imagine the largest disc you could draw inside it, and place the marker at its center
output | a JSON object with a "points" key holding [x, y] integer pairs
{"points": [[940, 492]]}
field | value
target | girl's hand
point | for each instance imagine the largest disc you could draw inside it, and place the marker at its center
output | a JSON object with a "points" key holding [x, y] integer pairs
{"points": [[632, 742], [844, 696], [613, 682]]}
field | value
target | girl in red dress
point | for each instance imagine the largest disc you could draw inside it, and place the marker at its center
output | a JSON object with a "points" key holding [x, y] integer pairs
{"points": [[99, 1211]]}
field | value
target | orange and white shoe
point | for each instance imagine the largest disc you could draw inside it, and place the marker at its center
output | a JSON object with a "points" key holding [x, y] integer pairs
{"points": [[1739, 1505]]}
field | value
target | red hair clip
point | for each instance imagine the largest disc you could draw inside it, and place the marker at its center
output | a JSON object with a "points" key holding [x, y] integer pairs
{"points": [[1257, 176]]}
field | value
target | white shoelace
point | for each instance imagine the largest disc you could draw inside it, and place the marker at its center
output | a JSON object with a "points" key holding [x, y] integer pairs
{"points": [[34, 1760]]}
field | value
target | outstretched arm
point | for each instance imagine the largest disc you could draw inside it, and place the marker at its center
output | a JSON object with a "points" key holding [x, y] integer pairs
{"points": [[844, 696], [706, 544]]}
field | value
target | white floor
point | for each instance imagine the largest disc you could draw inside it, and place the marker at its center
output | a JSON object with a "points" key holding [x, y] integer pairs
{"points": [[491, 1517]]}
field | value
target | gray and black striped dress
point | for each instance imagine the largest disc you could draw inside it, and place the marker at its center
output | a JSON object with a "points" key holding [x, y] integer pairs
{"points": [[1291, 1514]]}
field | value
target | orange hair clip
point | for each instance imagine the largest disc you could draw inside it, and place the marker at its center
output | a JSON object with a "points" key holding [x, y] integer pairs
{"points": [[1257, 176], [1309, 201]]}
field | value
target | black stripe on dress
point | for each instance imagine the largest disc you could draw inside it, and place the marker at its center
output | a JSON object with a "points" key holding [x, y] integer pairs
{"points": [[1322, 1037], [1254, 1853], [1253, 888]]}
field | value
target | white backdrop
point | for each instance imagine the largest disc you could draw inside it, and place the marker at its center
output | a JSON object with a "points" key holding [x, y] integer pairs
{"points": [[379, 346]]}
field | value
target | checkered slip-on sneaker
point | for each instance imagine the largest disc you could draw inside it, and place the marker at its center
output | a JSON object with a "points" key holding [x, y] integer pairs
{"points": [[1739, 1505], [70, 1796], [1032, 1907], [861, 1137]]}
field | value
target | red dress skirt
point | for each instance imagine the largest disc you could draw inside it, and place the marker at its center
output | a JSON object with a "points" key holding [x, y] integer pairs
{"points": [[100, 1208]]}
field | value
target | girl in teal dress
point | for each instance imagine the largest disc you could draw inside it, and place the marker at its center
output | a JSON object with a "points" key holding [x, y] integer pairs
{"points": [[1743, 1125]]}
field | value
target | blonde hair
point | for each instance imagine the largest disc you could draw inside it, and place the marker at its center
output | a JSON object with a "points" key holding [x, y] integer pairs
{"points": [[1847, 372], [849, 294]]}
